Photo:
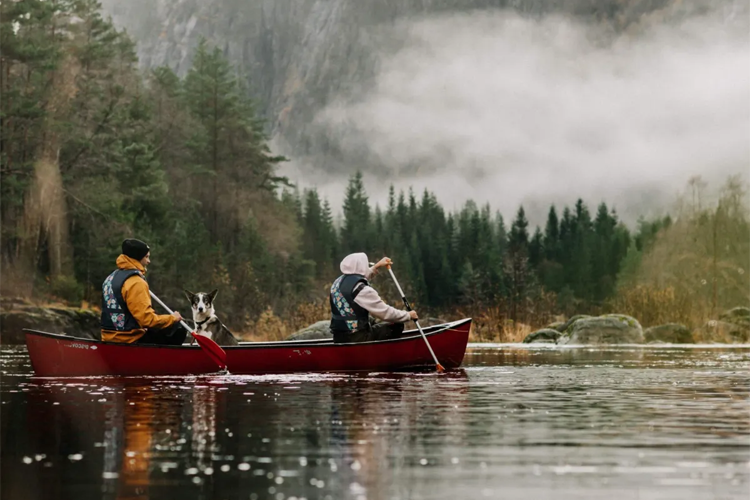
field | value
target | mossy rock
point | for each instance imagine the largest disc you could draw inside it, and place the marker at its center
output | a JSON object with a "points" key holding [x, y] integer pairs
{"points": [[557, 326], [631, 321], [567, 324], [316, 331], [673, 333], [607, 329], [737, 315], [543, 336]]}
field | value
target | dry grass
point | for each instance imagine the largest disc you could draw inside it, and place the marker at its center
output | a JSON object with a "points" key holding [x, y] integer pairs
{"points": [[269, 326], [652, 305], [492, 325], [714, 332]]}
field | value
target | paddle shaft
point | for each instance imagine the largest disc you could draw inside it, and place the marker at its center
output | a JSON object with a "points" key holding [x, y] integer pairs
{"points": [[158, 300], [416, 322]]}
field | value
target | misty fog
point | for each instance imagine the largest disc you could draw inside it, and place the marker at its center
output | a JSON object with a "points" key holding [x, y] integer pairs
{"points": [[497, 108]]}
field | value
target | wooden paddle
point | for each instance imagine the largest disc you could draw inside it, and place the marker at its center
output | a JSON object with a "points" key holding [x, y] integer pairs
{"points": [[408, 308], [211, 348]]}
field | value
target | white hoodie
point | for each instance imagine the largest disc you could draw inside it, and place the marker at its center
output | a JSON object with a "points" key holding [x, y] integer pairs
{"points": [[368, 298]]}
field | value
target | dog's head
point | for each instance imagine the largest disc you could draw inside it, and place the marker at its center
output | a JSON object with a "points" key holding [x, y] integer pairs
{"points": [[202, 303]]}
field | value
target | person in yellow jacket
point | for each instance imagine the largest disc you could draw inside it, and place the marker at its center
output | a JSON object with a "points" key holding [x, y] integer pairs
{"points": [[127, 313]]}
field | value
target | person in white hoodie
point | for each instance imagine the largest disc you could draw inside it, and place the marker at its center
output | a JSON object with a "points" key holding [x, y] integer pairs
{"points": [[353, 301]]}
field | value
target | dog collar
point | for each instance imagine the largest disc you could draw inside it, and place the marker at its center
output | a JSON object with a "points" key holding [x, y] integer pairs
{"points": [[199, 324]]}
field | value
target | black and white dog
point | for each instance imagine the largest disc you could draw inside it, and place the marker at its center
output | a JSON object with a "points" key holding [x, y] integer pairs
{"points": [[205, 319]]}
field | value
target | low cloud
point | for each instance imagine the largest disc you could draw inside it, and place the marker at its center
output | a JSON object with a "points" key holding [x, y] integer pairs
{"points": [[507, 110]]}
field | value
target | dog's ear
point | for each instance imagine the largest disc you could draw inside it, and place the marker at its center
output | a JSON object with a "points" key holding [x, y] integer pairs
{"points": [[212, 295], [189, 295]]}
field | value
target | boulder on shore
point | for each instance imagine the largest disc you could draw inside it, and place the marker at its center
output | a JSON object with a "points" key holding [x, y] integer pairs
{"points": [[567, 324], [557, 326], [318, 330], [724, 332], [733, 326], [76, 322], [739, 316], [606, 329], [673, 333], [543, 336]]}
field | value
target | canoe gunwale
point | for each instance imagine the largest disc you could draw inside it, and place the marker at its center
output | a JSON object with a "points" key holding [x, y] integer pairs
{"points": [[53, 354], [408, 335]]}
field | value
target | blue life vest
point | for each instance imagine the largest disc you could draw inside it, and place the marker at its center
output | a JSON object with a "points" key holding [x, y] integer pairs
{"points": [[115, 313], [347, 315]]}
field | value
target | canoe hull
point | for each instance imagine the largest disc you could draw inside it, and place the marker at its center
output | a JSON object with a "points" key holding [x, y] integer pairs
{"points": [[54, 355]]}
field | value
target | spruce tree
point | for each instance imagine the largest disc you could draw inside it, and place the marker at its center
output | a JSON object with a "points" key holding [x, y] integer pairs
{"points": [[550, 269], [536, 249], [552, 236], [331, 237], [518, 239], [579, 275], [602, 254], [356, 230], [232, 163], [318, 237], [517, 266]]}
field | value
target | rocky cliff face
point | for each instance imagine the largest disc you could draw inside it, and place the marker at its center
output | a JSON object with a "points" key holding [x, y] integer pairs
{"points": [[300, 56]]}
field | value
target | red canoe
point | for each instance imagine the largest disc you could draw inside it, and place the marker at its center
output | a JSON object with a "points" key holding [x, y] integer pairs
{"points": [[55, 355]]}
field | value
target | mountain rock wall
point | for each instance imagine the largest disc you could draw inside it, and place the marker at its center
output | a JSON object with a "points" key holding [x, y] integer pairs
{"points": [[299, 56]]}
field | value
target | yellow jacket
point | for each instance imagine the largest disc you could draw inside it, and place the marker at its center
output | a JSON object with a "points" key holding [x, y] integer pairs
{"points": [[136, 294]]}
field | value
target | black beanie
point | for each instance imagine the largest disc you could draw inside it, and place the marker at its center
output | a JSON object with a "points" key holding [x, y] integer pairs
{"points": [[135, 249]]}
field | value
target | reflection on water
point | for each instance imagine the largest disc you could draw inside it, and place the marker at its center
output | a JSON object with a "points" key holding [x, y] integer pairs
{"points": [[517, 422]]}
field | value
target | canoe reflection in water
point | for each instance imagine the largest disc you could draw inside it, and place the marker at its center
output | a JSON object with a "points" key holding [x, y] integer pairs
{"points": [[158, 438], [138, 439], [373, 424], [174, 434], [220, 437]]}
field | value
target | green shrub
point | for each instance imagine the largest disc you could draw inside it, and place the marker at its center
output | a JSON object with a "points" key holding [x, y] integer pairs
{"points": [[67, 289]]}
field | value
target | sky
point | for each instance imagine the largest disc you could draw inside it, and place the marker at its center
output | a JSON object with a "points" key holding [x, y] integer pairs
{"points": [[496, 108]]}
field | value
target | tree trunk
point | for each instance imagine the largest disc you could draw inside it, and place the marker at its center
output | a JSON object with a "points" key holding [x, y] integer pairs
{"points": [[45, 217]]}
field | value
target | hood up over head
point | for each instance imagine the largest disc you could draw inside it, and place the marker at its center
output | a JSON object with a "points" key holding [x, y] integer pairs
{"points": [[356, 263]]}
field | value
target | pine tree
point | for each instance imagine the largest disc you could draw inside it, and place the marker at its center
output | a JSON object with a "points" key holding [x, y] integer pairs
{"points": [[173, 126], [356, 231], [552, 236], [518, 239], [229, 148], [292, 201], [318, 236], [517, 266], [329, 231], [602, 254], [579, 273], [536, 249], [501, 234], [550, 269]]}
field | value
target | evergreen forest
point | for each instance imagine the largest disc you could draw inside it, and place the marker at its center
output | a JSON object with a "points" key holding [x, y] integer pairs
{"points": [[94, 150]]}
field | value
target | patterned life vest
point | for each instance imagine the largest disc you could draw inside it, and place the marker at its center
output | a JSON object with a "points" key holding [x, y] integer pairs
{"points": [[115, 313], [347, 315]]}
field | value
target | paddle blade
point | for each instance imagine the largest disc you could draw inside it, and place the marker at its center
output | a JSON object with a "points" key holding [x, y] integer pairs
{"points": [[440, 368], [216, 353]]}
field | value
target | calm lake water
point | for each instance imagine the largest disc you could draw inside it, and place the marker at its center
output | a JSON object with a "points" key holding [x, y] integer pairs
{"points": [[518, 422]]}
